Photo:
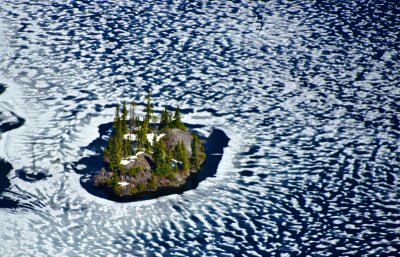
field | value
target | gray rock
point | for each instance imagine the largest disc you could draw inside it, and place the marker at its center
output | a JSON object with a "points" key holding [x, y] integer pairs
{"points": [[143, 161], [174, 136]]}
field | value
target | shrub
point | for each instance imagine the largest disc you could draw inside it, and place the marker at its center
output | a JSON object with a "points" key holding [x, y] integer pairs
{"points": [[153, 182], [133, 171], [171, 176], [140, 186]]}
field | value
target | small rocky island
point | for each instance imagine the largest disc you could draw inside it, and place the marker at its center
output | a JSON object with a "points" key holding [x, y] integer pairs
{"points": [[148, 154]]}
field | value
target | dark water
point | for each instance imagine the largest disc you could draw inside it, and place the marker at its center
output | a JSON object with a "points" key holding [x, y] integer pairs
{"points": [[308, 93]]}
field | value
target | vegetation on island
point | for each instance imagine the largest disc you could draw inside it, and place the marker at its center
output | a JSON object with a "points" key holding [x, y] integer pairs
{"points": [[135, 164]]}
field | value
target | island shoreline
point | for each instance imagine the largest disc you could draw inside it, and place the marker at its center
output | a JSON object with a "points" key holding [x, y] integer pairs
{"points": [[214, 148]]}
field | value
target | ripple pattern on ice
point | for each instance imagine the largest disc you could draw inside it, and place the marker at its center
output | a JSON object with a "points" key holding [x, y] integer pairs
{"points": [[307, 91]]}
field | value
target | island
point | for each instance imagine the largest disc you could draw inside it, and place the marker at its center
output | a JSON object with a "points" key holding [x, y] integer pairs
{"points": [[148, 154]]}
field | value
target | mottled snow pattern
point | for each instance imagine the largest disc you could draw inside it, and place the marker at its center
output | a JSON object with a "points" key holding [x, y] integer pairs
{"points": [[308, 92]]}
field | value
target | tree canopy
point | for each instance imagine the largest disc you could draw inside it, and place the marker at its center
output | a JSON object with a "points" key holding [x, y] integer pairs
{"points": [[118, 147], [165, 120], [149, 108], [177, 122], [180, 153], [169, 120]]}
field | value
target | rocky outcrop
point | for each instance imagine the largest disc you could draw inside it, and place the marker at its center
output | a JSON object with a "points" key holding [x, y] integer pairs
{"points": [[138, 175], [102, 177], [143, 162], [174, 136]]}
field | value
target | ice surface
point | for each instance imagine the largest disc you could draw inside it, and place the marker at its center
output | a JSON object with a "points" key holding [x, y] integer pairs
{"points": [[309, 99]]}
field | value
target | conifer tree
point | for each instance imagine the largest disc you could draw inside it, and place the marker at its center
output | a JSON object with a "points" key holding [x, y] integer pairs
{"points": [[142, 134], [140, 138], [168, 161], [169, 119], [181, 155], [124, 126], [156, 153], [115, 153], [154, 144], [127, 148], [147, 146], [132, 118], [137, 122], [177, 122], [195, 160], [176, 153], [114, 148], [158, 157], [185, 158], [149, 107], [165, 121]]}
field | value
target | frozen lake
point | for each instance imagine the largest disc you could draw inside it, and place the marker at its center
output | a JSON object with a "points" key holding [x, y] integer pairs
{"points": [[307, 91]]}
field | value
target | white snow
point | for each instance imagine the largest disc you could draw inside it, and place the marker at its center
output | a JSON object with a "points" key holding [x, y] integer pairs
{"points": [[149, 136], [130, 136], [126, 161], [175, 162], [7, 117], [160, 136]]}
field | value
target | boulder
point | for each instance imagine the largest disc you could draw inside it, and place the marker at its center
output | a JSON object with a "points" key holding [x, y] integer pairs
{"points": [[143, 161], [174, 136]]}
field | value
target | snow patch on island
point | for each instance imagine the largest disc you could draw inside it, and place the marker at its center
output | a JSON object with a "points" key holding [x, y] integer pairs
{"points": [[126, 161], [123, 183], [131, 137], [150, 136]]}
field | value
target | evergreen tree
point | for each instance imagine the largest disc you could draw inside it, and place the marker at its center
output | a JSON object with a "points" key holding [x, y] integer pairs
{"points": [[137, 122], [145, 129], [185, 158], [195, 160], [154, 144], [114, 181], [132, 118], [124, 126], [115, 153], [181, 155], [162, 158], [158, 157], [154, 119], [155, 153], [176, 153], [169, 119], [114, 184], [149, 107], [142, 135], [114, 148], [106, 153], [165, 121], [127, 148], [177, 122], [168, 161], [147, 146]]}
